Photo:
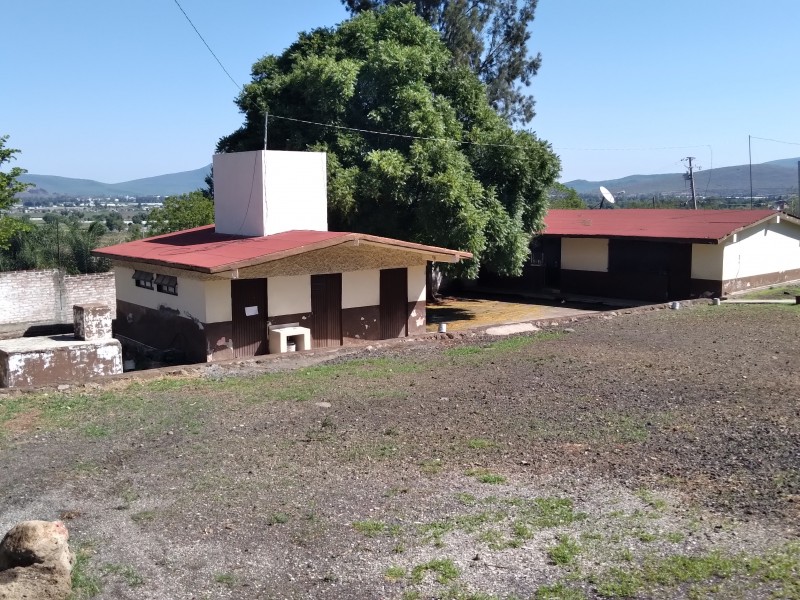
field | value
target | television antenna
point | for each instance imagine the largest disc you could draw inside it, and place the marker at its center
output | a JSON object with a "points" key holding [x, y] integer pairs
{"points": [[606, 197]]}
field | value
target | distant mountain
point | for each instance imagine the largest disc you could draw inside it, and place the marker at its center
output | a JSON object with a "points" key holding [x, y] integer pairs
{"points": [[161, 185], [769, 178]]}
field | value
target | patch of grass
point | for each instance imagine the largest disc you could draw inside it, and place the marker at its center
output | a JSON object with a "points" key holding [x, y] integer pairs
{"points": [[512, 344], [84, 583], [431, 466], [444, 570], [143, 517], [277, 518], [466, 499], [96, 431], [373, 528], [226, 579], [565, 552], [479, 444], [485, 476], [127, 573], [550, 512], [558, 591], [773, 292], [777, 570], [651, 499], [462, 351], [394, 573]]}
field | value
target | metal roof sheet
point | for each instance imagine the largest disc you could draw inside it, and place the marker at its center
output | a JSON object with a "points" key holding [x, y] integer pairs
{"points": [[674, 224], [202, 249]]}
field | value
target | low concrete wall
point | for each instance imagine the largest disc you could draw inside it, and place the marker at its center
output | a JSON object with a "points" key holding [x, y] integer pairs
{"points": [[49, 295]]}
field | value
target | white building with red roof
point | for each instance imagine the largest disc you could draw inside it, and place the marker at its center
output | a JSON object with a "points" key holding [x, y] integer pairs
{"points": [[268, 272], [654, 254]]}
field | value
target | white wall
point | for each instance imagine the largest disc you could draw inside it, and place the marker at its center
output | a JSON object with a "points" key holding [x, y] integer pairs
{"points": [[770, 248], [416, 283], [288, 295], [584, 254], [361, 288], [707, 261], [208, 301], [239, 193], [264, 192], [296, 191]]}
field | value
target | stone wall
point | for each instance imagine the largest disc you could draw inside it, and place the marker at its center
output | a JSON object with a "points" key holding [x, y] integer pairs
{"points": [[49, 295]]}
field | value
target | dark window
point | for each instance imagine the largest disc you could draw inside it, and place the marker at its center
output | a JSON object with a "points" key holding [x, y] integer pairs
{"points": [[167, 284], [143, 279]]}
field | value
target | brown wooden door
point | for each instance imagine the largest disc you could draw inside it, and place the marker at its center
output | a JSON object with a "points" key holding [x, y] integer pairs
{"points": [[249, 307], [394, 303], [326, 310]]}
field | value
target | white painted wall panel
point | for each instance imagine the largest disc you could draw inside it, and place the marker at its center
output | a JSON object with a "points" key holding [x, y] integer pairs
{"points": [[264, 192], [218, 300], [196, 299], [239, 193], [707, 261], [770, 248], [361, 288], [584, 254], [296, 191], [288, 295], [416, 283]]}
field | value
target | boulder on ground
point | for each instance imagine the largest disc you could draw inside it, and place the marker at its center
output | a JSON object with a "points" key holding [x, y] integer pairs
{"points": [[36, 562]]}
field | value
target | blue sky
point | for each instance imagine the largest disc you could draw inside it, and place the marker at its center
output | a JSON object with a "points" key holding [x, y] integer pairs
{"points": [[115, 91]]}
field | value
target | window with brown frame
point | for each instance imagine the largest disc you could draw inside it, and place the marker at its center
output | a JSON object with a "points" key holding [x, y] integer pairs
{"points": [[167, 284], [143, 279]]}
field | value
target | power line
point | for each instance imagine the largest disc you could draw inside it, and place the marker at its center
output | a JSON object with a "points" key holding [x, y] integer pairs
{"points": [[776, 141], [219, 62], [416, 137]]}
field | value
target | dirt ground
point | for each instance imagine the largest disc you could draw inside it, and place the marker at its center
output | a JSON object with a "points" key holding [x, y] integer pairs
{"points": [[650, 455]]}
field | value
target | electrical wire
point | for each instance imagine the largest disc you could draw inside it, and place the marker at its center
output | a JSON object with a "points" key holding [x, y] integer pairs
{"points": [[219, 62], [416, 137], [776, 141]]}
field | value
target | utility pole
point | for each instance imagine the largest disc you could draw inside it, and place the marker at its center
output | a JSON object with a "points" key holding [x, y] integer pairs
{"points": [[690, 177]]}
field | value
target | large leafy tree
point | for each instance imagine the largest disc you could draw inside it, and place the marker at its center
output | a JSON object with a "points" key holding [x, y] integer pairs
{"points": [[490, 37], [467, 180], [10, 186], [181, 212]]}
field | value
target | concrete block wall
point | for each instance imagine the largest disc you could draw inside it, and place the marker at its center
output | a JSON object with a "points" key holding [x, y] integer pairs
{"points": [[49, 295]]}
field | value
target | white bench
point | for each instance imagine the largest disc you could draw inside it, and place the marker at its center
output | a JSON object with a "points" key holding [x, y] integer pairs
{"points": [[281, 335]]}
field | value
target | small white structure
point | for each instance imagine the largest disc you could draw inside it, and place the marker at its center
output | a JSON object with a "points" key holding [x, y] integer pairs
{"points": [[91, 352]]}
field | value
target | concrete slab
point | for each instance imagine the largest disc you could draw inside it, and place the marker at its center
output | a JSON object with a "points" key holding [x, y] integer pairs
{"points": [[512, 328], [36, 361]]}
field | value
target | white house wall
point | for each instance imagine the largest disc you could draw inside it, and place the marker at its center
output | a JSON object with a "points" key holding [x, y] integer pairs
{"points": [[584, 254], [707, 261], [769, 248], [239, 207], [208, 301], [416, 283], [296, 191], [288, 295], [361, 288]]}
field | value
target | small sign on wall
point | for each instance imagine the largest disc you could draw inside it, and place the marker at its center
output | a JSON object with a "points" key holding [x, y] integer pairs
{"points": [[250, 311]]}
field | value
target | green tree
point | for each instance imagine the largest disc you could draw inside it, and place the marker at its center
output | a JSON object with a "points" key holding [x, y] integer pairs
{"points": [[488, 36], [114, 221], [181, 212], [468, 180], [562, 196], [10, 186]]}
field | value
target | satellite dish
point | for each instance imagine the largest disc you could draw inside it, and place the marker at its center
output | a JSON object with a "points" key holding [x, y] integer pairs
{"points": [[608, 196]]}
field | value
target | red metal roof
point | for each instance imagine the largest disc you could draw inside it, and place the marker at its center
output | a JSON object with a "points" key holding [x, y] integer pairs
{"points": [[674, 224], [203, 249]]}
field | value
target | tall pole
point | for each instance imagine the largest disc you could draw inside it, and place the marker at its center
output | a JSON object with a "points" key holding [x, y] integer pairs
{"points": [[691, 180], [797, 207], [266, 128], [750, 156]]}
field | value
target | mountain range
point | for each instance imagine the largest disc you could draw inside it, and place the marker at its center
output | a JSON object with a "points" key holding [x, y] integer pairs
{"points": [[770, 178], [161, 185]]}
